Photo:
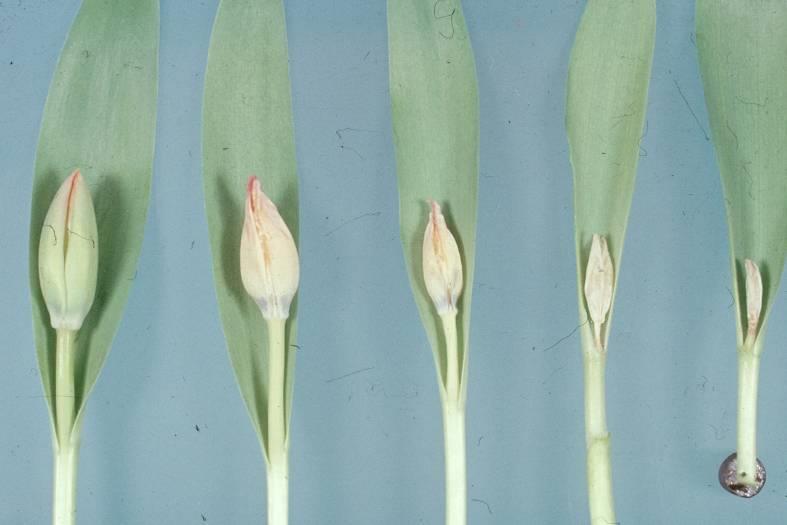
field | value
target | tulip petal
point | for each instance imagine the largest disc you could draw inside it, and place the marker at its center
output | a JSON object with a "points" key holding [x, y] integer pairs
{"points": [[442, 264], [268, 255], [753, 297], [599, 281], [68, 255]]}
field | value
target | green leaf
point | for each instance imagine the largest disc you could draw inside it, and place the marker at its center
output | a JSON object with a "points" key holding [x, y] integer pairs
{"points": [[100, 117], [434, 102], [608, 81], [743, 58], [247, 130]]}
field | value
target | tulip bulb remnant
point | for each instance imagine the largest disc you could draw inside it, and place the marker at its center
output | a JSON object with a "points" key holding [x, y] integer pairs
{"points": [[68, 255], [270, 271], [442, 267], [599, 280], [268, 257]]}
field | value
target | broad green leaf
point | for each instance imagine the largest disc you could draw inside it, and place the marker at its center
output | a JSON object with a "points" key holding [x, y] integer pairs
{"points": [[247, 130], [608, 80], [100, 117], [434, 103], [742, 48]]}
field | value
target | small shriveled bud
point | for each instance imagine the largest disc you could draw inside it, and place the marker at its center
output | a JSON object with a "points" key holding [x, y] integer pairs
{"points": [[599, 280], [753, 297], [68, 255], [269, 266], [442, 264]]}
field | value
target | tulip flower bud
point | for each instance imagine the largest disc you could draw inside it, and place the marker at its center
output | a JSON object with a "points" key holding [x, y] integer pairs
{"points": [[269, 264], [599, 279], [753, 297], [442, 263], [68, 255]]}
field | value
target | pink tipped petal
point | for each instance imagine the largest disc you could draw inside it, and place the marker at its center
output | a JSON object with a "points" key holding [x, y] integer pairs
{"points": [[442, 264], [269, 257], [68, 254]]}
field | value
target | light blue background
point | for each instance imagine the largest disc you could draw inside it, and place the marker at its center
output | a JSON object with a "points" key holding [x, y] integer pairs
{"points": [[366, 434]]}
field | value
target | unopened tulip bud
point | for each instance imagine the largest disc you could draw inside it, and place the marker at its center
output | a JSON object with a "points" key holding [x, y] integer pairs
{"points": [[753, 297], [268, 257], [68, 255], [442, 263], [599, 280]]}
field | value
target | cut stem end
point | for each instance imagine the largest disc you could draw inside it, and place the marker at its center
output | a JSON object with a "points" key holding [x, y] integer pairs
{"points": [[728, 478]]}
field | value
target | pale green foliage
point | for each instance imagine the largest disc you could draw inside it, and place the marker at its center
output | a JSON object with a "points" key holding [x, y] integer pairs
{"points": [[100, 117], [247, 130], [434, 103], [606, 103], [742, 48]]}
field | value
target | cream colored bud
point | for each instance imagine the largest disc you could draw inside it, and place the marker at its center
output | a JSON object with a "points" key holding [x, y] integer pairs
{"points": [[753, 297], [68, 255], [442, 263], [599, 280], [269, 264]]}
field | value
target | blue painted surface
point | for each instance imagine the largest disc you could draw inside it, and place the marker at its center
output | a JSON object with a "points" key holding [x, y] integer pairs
{"points": [[166, 437]]}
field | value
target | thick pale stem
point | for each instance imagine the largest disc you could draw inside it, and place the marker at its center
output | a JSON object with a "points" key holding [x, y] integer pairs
{"points": [[278, 491], [454, 428], [278, 470], [455, 464], [64, 499], [599, 470], [66, 442], [748, 377]]}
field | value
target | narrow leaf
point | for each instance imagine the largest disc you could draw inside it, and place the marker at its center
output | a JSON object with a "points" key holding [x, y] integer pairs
{"points": [[247, 130], [100, 117], [435, 119], [743, 58], [607, 98]]}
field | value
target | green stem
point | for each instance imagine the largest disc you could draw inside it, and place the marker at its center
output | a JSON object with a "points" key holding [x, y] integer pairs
{"points": [[278, 470], [66, 442], [748, 378], [451, 356], [599, 470], [454, 429]]}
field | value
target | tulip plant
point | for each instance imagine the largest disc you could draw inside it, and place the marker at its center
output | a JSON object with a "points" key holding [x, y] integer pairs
{"points": [[442, 267], [742, 48], [83, 260], [247, 128], [606, 103], [67, 269], [434, 103], [270, 271]]}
